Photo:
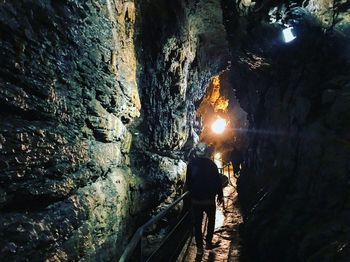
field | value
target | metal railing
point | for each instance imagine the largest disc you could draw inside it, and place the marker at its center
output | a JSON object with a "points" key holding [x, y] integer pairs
{"points": [[226, 166], [137, 237]]}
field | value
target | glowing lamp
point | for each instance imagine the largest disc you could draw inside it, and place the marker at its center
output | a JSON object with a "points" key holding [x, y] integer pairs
{"points": [[219, 126], [288, 34]]}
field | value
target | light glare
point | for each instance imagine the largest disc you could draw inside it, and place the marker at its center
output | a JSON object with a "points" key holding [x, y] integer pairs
{"points": [[217, 155], [288, 34], [218, 159], [219, 218], [219, 126]]}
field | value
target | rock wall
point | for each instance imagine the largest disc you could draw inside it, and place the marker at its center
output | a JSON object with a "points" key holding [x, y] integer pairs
{"points": [[294, 187], [183, 48], [78, 165], [68, 92]]}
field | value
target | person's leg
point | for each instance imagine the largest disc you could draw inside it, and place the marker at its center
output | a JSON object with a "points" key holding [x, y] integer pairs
{"points": [[197, 221], [210, 210]]}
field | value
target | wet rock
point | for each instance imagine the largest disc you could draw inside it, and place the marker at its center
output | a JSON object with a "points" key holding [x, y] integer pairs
{"points": [[68, 92], [295, 177], [178, 67], [72, 78]]}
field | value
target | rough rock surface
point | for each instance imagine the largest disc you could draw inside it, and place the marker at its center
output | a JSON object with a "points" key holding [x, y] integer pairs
{"points": [[294, 186], [184, 47], [70, 77], [78, 166], [67, 92]]}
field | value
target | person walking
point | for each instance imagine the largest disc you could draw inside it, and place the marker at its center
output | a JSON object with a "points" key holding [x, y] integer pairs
{"points": [[204, 184]]}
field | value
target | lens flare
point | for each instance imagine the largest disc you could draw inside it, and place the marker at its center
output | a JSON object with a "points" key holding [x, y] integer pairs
{"points": [[219, 126]]}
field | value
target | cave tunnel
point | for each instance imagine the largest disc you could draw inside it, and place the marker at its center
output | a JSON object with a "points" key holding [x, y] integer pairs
{"points": [[220, 121], [102, 101]]}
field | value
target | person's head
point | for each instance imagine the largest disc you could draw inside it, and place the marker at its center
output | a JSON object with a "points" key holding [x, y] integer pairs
{"points": [[200, 150]]}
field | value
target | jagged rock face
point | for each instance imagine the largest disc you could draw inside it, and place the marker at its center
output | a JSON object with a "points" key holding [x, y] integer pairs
{"points": [[183, 48], [69, 98], [294, 187], [331, 13], [68, 91]]}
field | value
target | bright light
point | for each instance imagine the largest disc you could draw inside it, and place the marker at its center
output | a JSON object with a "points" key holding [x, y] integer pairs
{"points": [[219, 218], [219, 126], [218, 159], [288, 34], [217, 156]]}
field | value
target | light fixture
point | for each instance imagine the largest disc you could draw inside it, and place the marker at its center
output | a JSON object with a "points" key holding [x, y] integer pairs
{"points": [[219, 125], [288, 34]]}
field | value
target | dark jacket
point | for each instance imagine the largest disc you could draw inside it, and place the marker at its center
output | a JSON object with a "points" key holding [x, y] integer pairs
{"points": [[203, 179]]}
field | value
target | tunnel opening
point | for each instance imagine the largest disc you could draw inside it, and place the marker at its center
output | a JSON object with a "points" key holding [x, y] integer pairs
{"points": [[220, 121]]}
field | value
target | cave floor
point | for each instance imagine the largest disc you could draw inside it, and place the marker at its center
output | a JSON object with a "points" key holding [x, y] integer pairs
{"points": [[226, 240]]}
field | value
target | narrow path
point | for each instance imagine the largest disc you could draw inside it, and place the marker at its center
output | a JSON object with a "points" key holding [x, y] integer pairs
{"points": [[226, 239]]}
